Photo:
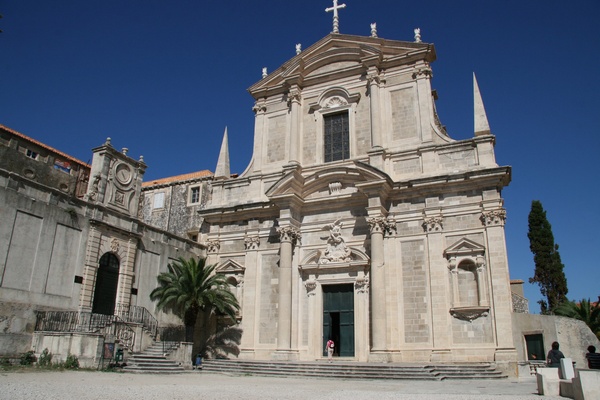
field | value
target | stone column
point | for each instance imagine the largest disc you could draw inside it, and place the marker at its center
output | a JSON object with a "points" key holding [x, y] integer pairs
{"points": [[251, 298], [294, 98], [126, 273], [374, 80], [86, 297], [438, 275], [378, 298], [288, 236], [500, 283], [260, 109]]}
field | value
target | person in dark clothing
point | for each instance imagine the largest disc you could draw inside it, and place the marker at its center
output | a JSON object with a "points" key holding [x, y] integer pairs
{"points": [[593, 358], [554, 356]]}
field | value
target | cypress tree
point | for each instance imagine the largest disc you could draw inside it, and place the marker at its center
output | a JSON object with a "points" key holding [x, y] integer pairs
{"points": [[549, 274]]}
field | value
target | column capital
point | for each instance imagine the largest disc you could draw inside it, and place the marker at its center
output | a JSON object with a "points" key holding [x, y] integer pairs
{"points": [[213, 246], [434, 224], [382, 225], [289, 234], [494, 217], [259, 107], [251, 242]]}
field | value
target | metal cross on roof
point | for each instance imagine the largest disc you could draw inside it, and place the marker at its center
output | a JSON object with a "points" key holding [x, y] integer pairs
{"points": [[336, 20]]}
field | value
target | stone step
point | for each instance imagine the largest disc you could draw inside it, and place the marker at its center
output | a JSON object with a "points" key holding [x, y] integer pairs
{"points": [[153, 360], [353, 370]]}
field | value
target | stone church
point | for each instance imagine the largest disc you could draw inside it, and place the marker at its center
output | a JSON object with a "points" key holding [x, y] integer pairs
{"points": [[358, 219]]}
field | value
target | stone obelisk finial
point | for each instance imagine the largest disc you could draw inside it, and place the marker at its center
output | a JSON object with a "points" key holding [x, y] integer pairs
{"points": [[223, 171], [482, 126]]}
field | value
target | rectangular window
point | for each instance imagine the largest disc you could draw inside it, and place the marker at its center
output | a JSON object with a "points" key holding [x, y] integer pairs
{"points": [[195, 195], [32, 154], [159, 200], [336, 137]]}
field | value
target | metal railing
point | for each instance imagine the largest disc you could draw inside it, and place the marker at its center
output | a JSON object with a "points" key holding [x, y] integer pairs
{"points": [[171, 336], [139, 315], [84, 322]]}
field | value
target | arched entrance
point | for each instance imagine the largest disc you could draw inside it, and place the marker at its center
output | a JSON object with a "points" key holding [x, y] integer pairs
{"points": [[107, 279]]}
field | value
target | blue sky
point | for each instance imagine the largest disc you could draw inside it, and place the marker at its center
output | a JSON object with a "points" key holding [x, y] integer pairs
{"points": [[164, 78]]}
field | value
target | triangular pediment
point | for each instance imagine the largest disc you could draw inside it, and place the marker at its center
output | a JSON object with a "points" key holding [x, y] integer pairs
{"points": [[339, 55], [229, 267], [464, 246]]}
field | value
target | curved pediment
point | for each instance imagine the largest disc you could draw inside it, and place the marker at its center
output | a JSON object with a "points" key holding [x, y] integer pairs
{"points": [[328, 181], [315, 261], [337, 54]]}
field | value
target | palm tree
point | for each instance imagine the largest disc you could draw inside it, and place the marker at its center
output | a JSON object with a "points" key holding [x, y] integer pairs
{"points": [[584, 310], [190, 287]]}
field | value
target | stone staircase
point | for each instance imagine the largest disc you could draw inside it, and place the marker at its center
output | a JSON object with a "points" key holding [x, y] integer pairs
{"points": [[153, 360], [354, 370]]}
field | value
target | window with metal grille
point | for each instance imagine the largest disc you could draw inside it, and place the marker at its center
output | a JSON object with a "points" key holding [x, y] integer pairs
{"points": [[336, 137]]}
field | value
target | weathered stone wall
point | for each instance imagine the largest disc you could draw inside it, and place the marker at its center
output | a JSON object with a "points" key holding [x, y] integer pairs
{"points": [[573, 336]]}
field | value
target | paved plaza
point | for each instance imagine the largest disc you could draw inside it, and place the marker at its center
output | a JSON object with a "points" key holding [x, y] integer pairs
{"points": [[84, 385]]}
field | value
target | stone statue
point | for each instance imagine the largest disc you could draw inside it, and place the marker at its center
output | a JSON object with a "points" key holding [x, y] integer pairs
{"points": [[298, 48], [336, 251], [374, 29], [418, 35]]}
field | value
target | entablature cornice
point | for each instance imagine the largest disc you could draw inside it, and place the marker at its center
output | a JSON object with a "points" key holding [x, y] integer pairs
{"points": [[497, 177], [240, 212]]}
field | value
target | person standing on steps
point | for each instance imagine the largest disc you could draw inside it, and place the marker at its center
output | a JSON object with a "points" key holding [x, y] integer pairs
{"points": [[329, 347]]}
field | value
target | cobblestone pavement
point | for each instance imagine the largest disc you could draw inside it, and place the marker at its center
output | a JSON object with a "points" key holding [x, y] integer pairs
{"points": [[83, 385]]}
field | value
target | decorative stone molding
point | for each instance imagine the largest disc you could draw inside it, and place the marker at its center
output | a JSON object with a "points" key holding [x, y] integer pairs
{"points": [[335, 101], [361, 284], [495, 217], [469, 313], [294, 96], [114, 245], [259, 108], [310, 286], [376, 224], [434, 224], [374, 78], [289, 234], [213, 246], [335, 188], [422, 72], [251, 242]]}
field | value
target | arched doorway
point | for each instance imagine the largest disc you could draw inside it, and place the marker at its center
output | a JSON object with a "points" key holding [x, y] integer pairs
{"points": [[107, 279]]}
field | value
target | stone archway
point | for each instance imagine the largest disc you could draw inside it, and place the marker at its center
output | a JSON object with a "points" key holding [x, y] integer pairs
{"points": [[107, 280]]}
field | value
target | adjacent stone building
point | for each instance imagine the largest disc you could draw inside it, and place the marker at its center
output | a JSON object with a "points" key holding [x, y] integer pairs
{"points": [[72, 241]]}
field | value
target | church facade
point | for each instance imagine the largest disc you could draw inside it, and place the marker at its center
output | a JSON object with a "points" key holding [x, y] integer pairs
{"points": [[359, 219]]}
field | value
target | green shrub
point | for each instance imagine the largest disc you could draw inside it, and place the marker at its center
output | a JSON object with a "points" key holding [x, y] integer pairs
{"points": [[45, 359], [72, 362], [28, 358]]}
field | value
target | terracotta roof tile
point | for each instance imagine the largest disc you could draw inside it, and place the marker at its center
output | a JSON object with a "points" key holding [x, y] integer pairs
{"points": [[27, 138], [179, 178]]}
